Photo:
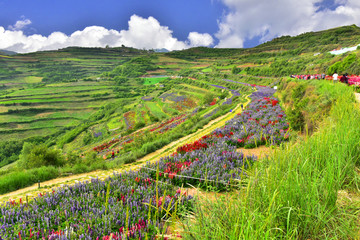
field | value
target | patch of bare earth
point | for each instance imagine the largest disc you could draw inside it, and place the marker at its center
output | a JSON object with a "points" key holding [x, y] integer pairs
{"points": [[201, 65], [357, 97], [156, 71], [247, 65], [259, 152], [43, 115]]}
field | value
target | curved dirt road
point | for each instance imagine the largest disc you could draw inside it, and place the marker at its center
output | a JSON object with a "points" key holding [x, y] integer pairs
{"points": [[102, 174]]}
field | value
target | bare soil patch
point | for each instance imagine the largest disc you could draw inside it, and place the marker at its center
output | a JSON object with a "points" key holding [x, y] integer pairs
{"points": [[156, 71], [246, 65], [357, 97], [201, 65], [259, 152]]}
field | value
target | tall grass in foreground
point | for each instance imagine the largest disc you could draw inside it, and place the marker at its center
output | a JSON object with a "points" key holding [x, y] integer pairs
{"points": [[293, 195]]}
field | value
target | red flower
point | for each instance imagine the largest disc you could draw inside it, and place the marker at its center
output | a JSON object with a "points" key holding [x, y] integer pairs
{"points": [[274, 102], [172, 175]]}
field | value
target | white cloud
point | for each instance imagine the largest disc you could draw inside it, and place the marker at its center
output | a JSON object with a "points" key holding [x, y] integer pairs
{"points": [[20, 24], [142, 33], [267, 19], [198, 39]]}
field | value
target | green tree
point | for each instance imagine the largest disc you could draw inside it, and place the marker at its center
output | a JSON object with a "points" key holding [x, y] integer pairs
{"points": [[37, 155], [235, 70]]}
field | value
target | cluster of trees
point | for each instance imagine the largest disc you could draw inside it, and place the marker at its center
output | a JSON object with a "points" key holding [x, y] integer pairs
{"points": [[204, 52], [305, 106], [131, 69], [9, 151], [350, 65]]}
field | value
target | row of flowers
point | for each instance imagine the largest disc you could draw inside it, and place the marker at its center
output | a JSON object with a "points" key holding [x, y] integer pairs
{"points": [[183, 104], [107, 145], [213, 159], [129, 118], [124, 206], [216, 164], [262, 122]]}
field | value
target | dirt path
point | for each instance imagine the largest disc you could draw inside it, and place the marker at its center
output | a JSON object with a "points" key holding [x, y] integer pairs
{"points": [[102, 174], [259, 152], [357, 97]]}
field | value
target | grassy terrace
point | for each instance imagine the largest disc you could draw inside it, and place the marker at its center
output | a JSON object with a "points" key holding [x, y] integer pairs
{"points": [[50, 108], [55, 90]]}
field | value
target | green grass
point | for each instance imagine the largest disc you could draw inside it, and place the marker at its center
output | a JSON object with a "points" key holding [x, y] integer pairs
{"points": [[60, 95], [155, 110], [116, 122], [170, 66], [293, 194], [21, 179], [28, 133], [206, 70], [33, 79], [153, 80], [55, 90]]}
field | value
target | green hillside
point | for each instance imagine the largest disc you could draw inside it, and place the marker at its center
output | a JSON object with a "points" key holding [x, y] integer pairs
{"points": [[180, 119], [59, 96]]}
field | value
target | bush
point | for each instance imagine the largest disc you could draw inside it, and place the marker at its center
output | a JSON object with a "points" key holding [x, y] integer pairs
{"points": [[38, 155], [296, 119]]}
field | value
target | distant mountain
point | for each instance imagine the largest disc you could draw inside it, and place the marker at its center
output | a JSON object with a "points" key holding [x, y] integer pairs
{"points": [[311, 42], [6, 52], [88, 51], [321, 41], [162, 50]]}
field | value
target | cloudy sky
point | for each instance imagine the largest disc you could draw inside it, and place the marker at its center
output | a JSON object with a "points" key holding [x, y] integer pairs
{"points": [[35, 25]]}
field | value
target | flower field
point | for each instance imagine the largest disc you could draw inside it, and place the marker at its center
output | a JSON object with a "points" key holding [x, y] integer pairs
{"points": [[213, 160], [215, 164], [117, 208], [263, 122], [184, 104], [129, 118], [136, 205], [170, 124]]}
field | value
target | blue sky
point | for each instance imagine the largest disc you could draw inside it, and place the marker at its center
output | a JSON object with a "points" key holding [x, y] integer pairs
{"points": [[26, 25], [47, 16]]}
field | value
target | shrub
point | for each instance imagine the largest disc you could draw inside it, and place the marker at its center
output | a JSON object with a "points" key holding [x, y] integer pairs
{"points": [[37, 155]]}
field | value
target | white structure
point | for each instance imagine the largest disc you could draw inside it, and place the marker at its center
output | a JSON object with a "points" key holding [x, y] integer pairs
{"points": [[344, 50]]}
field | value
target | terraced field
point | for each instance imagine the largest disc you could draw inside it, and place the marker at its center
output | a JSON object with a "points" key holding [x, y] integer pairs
{"points": [[51, 108]]}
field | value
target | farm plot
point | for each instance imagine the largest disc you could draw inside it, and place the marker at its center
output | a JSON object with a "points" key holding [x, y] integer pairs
{"points": [[55, 90], [50, 109], [155, 110], [89, 93], [42, 132], [154, 80]]}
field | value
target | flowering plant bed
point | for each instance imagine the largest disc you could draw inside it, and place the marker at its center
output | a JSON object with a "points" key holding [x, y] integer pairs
{"points": [[218, 166], [213, 160], [263, 122], [118, 207], [129, 118]]}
